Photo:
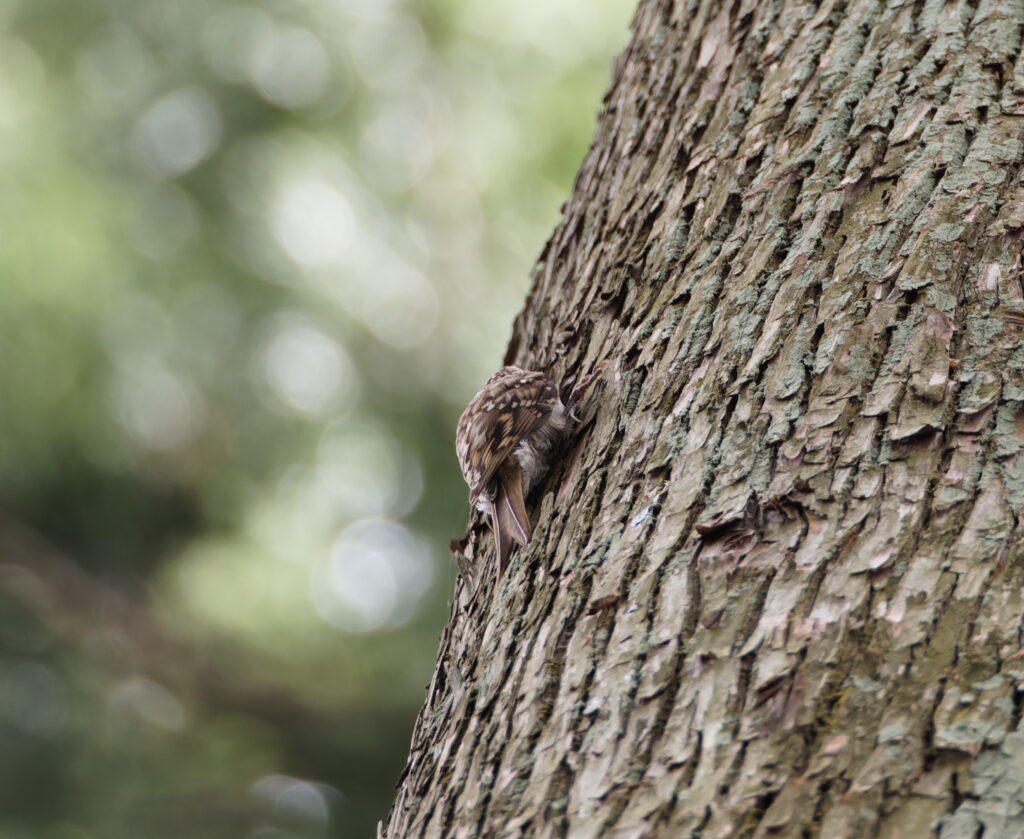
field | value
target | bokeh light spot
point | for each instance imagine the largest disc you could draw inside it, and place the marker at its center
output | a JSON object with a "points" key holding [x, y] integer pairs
{"points": [[229, 38], [363, 471], [313, 222], [306, 368], [178, 132], [295, 798], [375, 576], [146, 700], [403, 310], [289, 66], [158, 407], [397, 150]]}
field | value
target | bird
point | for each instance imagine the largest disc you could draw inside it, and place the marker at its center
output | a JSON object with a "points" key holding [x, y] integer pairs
{"points": [[505, 441]]}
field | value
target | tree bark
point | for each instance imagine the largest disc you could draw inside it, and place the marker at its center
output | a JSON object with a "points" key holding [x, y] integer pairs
{"points": [[775, 584]]}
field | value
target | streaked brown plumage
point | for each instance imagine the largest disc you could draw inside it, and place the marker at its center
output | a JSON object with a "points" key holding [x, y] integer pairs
{"points": [[504, 442]]}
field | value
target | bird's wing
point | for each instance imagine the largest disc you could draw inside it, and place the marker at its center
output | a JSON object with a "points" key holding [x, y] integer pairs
{"points": [[508, 409]]}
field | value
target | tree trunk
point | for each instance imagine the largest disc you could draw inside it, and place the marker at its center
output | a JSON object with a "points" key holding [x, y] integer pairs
{"points": [[775, 584]]}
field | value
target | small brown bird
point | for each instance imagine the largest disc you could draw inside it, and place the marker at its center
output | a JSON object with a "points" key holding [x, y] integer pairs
{"points": [[505, 441]]}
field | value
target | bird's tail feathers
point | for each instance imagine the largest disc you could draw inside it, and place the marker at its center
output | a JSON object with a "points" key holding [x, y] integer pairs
{"points": [[510, 522]]}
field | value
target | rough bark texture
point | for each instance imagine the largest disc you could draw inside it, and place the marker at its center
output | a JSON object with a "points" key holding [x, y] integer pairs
{"points": [[775, 590]]}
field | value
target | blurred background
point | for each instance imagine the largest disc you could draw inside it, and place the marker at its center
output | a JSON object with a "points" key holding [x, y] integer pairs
{"points": [[255, 258]]}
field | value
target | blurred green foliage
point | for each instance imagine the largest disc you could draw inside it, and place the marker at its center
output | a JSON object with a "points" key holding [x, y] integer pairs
{"points": [[256, 256]]}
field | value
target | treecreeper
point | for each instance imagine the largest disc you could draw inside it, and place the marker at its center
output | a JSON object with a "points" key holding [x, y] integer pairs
{"points": [[506, 441]]}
